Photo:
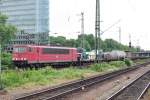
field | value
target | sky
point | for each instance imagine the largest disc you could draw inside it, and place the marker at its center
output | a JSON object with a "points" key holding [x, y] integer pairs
{"points": [[134, 16]]}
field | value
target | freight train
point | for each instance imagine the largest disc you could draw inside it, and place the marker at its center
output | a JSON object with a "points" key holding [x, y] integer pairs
{"points": [[37, 56]]}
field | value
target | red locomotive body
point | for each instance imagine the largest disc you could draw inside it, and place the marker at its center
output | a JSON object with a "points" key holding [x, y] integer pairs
{"points": [[29, 54]]}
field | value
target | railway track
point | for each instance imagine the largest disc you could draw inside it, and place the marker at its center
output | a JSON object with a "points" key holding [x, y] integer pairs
{"points": [[144, 92], [59, 91], [135, 90]]}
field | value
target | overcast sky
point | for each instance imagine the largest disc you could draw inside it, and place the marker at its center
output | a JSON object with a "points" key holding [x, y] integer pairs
{"points": [[134, 15]]}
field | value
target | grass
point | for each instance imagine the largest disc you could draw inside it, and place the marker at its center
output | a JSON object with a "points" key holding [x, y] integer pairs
{"points": [[16, 78], [13, 78], [111, 66], [140, 61], [128, 62]]}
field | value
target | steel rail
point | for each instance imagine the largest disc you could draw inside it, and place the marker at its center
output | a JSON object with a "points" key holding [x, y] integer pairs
{"points": [[85, 85], [59, 91], [144, 91], [125, 94]]}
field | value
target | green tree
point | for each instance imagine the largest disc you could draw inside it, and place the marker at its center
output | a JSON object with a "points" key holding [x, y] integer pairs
{"points": [[71, 43], [89, 43], [6, 60], [60, 40], [87, 46], [91, 40], [111, 44], [7, 31]]}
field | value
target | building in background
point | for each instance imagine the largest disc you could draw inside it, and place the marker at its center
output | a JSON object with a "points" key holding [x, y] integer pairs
{"points": [[29, 16], [32, 16]]}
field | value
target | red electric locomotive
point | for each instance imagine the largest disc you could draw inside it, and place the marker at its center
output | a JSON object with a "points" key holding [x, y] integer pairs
{"points": [[36, 55]]}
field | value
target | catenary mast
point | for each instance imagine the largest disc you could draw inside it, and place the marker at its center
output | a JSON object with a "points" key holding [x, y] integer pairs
{"points": [[82, 29], [97, 29]]}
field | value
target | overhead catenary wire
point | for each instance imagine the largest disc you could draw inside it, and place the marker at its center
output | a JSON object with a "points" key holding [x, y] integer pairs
{"points": [[114, 24]]}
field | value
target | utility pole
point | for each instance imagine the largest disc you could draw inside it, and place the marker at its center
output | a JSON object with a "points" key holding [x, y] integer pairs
{"points": [[130, 45], [97, 29], [120, 35], [138, 44], [82, 29]]}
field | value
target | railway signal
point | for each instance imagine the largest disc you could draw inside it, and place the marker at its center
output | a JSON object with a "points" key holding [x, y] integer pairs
{"points": [[130, 45]]}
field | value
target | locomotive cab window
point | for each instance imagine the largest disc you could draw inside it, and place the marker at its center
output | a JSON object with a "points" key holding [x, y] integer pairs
{"points": [[19, 49], [55, 51]]}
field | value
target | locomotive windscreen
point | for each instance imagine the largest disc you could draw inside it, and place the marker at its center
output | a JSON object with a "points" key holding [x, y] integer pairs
{"points": [[55, 51], [19, 49]]}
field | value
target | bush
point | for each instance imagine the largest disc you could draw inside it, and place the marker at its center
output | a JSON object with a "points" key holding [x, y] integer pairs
{"points": [[12, 78], [6, 60], [118, 63], [128, 62], [100, 67], [114, 65]]}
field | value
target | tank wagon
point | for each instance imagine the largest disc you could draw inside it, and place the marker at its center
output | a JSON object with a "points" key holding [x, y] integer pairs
{"points": [[114, 55]]}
